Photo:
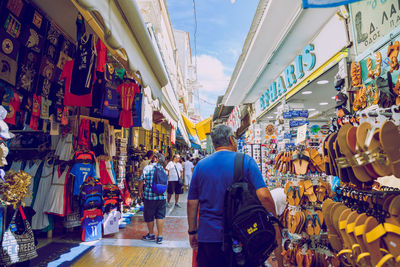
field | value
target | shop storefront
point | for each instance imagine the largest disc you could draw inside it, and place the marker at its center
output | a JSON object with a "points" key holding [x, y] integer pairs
{"points": [[324, 131], [82, 102]]}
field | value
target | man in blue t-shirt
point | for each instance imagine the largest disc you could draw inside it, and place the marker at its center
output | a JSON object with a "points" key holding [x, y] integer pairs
{"points": [[211, 177]]}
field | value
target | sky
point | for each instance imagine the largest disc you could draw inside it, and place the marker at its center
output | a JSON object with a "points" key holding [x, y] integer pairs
{"points": [[222, 27]]}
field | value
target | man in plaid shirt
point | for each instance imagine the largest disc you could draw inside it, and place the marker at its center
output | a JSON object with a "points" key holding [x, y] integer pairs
{"points": [[154, 204]]}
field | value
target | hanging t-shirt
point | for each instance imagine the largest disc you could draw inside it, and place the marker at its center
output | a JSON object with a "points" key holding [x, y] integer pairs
{"points": [[28, 62], [111, 220], [137, 110], [71, 99], [109, 107], [13, 107], [127, 91], [91, 229], [147, 114], [8, 44], [81, 171], [82, 74], [44, 112], [102, 55]]}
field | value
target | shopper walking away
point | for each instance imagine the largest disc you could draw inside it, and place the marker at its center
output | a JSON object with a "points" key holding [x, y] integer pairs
{"points": [[154, 204], [211, 177], [175, 179], [146, 161], [187, 171]]}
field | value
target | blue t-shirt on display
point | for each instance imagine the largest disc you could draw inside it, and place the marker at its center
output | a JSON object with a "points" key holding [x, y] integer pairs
{"points": [[91, 228], [81, 171], [211, 177]]}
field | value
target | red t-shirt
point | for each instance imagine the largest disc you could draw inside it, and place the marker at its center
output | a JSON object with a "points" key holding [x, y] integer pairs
{"points": [[69, 98], [127, 91], [102, 55], [14, 106]]}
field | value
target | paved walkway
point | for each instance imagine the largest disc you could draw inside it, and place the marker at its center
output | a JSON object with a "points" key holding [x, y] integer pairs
{"points": [[127, 249]]}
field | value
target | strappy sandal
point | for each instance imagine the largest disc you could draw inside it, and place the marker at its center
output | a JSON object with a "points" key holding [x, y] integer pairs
{"points": [[347, 252], [373, 232], [374, 150], [352, 144], [360, 173], [392, 228], [364, 258]]}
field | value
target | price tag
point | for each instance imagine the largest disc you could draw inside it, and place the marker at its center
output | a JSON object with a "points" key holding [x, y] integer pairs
{"points": [[301, 134]]}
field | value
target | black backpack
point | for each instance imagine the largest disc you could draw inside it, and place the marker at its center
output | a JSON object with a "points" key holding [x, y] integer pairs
{"points": [[247, 221]]}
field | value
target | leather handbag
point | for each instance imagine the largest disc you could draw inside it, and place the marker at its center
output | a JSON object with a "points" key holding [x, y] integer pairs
{"points": [[17, 247]]}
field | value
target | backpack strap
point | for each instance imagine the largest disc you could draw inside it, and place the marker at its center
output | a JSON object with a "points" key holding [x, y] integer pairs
{"points": [[238, 169]]}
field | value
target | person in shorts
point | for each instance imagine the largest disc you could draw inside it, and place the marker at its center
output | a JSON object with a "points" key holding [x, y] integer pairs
{"points": [[154, 206], [175, 173]]}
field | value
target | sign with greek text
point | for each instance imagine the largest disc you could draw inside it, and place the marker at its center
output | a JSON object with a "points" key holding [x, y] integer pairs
{"points": [[371, 20]]}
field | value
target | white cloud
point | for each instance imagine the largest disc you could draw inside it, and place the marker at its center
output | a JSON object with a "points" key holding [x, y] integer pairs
{"points": [[211, 74]]}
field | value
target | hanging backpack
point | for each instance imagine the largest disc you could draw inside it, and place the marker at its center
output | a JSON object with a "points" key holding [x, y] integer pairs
{"points": [[246, 222], [160, 180]]}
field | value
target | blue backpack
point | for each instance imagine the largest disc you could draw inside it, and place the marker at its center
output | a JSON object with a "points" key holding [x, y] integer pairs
{"points": [[160, 180]]}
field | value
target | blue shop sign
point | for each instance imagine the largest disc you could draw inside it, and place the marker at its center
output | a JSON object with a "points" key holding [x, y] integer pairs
{"points": [[292, 75]]}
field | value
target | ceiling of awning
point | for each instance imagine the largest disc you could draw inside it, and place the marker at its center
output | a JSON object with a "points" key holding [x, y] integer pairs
{"points": [[283, 31]]}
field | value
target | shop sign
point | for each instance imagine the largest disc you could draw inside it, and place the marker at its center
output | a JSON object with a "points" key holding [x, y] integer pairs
{"points": [[292, 75], [372, 20], [332, 38]]}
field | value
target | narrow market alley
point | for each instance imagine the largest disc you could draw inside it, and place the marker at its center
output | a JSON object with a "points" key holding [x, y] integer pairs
{"points": [[127, 249]]}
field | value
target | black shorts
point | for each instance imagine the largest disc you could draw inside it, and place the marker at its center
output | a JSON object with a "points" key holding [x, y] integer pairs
{"points": [[154, 209], [174, 187], [210, 255]]}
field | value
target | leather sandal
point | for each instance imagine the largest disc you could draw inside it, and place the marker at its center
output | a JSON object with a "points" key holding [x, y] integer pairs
{"points": [[364, 258], [373, 233], [392, 228], [389, 136], [343, 141], [352, 144], [333, 235], [381, 167]]}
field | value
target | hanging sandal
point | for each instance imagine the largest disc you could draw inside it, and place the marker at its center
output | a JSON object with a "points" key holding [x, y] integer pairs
{"points": [[374, 150], [392, 228], [389, 136], [364, 258], [309, 191], [333, 236], [373, 233]]}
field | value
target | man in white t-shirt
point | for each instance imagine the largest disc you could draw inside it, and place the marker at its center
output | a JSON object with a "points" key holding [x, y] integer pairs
{"points": [[187, 171], [175, 173]]}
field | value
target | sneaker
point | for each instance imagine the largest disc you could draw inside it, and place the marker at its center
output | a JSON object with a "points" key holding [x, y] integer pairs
{"points": [[149, 237], [168, 205], [159, 240], [177, 205]]}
